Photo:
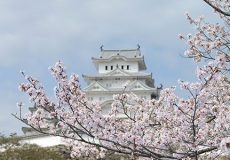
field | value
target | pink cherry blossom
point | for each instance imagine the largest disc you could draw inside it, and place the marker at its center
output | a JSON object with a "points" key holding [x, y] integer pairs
{"points": [[170, 127]]}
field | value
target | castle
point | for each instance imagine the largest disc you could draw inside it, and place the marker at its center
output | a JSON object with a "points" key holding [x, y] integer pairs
{"points": [[117, 71]]}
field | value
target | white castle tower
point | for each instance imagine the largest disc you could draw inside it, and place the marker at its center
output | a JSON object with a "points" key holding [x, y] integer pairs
{"points": [[118, 71]]}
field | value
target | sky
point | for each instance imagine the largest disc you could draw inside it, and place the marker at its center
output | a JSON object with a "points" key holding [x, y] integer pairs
{"points": [[36, 34]]}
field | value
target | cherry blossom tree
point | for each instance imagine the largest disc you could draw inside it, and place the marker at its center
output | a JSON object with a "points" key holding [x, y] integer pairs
{"points": [[171, 127], [220, 6]]}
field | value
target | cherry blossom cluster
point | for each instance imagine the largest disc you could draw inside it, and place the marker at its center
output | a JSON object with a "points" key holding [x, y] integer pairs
{"points": [[168, 127], [221, 7], [208, 41]]}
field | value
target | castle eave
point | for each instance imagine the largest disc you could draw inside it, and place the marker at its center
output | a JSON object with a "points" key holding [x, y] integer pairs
{"points": [[104, 76]]}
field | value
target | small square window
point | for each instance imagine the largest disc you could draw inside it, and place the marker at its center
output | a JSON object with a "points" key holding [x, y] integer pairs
{"points": [[122, 67], [101, 98], [106, 67], [108, 85], [90, 98], [127, 67], [111, 67]]}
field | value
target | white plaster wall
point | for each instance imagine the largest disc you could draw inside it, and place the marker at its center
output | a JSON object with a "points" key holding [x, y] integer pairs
{"points": [[106, 109], [109, 96], [49, 141], [100, 98], [46, 141], [133, 66], [114, 83]]}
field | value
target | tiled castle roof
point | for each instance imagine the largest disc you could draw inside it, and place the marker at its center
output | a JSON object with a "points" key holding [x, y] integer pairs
{"points": [[127, 53]]}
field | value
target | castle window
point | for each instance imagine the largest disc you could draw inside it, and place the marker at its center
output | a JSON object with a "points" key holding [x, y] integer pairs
{"points": [[95, 87], [143, 97], [137, 86], [108, 85], [153, 96], [122, 67], [127, 67], [111, 67], [90, 98], [106, 67]]}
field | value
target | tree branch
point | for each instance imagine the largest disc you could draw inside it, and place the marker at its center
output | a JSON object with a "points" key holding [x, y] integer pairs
{"points": [[216, 8]]}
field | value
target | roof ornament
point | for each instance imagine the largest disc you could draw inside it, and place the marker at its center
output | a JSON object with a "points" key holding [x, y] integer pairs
{"points": [[161, 87], [101, 48], [138, 47]]}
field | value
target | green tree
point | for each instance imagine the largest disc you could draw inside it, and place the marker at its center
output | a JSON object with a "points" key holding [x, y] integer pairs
{"points": [[11, 149]]}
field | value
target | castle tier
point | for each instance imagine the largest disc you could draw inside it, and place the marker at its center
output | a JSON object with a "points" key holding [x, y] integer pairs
{"points": [[119, 71]]}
